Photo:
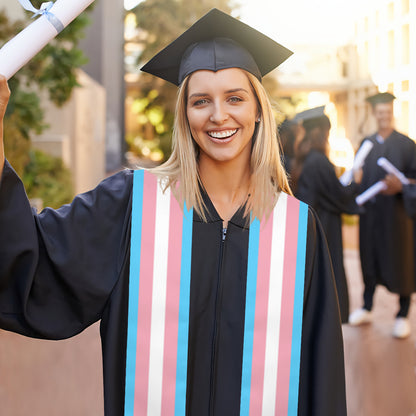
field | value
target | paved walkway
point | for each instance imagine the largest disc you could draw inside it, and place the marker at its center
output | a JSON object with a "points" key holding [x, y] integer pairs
{"points": [[43, 378], [380, 370]]}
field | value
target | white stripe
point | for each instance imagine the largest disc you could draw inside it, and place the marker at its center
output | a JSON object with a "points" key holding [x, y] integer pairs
{"points": [[157, 330], [274, 306]]}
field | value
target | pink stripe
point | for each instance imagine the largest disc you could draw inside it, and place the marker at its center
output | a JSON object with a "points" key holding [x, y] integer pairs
{"points": [[260, 319], [286, 319], [172, 308], [145, 295]]}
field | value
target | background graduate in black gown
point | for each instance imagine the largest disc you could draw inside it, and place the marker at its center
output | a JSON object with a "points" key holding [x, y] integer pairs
{"points": [[318, 186], [62, 270], [386, 231]]}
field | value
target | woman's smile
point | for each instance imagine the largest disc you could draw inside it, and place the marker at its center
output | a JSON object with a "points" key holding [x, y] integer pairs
{"points": [[222, 136]]}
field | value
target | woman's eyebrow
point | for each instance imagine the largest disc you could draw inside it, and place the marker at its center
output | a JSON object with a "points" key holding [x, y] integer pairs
{"points": [[204, 94]]}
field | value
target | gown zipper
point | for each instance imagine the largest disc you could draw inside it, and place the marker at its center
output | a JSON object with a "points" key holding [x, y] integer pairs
{"points": [[217, 317]]}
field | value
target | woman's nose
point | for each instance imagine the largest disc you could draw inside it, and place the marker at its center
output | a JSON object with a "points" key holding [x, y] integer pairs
{"points": [[219, 114]]}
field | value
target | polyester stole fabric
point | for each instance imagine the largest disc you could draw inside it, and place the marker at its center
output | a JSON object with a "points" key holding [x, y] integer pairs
{"points": [[159, 297]]}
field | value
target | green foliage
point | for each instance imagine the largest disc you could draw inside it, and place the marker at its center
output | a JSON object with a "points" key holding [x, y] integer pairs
{"points": [[53, 70], [46, 177]]}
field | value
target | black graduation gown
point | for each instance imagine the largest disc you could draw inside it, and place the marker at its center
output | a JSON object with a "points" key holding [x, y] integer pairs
{"points": [[319, 187], [409, 197], [386, 231], [62, 270]]}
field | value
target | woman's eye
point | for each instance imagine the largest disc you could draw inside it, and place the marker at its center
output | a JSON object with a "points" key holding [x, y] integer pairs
{"points": [[235, 99], [202, 101]]}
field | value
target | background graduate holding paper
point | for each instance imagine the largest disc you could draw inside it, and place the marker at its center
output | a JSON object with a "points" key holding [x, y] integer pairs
{"points": [[386, 231]]}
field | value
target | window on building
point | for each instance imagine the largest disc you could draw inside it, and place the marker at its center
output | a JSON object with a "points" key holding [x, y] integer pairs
{"points": [[391, 49], [405, 45], [366, 24], [377, 18], [390, 87], [405, 85], [390, 11], [405, 6]]}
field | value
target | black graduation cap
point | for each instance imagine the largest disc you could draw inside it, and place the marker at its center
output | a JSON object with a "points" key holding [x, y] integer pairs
{"points": [[217, 41], [310, 114], [313, 117], [381, 97]]}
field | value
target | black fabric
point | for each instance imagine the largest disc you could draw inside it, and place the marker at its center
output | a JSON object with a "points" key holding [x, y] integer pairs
{"points": [[319, 187], [409, 197], [214, 55], [386, 231], [62, 270]]}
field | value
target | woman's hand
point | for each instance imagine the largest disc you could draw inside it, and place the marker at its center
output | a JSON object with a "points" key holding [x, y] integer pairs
{"points": [[4, 96], [4, 99]]}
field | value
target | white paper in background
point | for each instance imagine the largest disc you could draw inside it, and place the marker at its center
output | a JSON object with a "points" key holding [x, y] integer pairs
{"points": [[26, 44], [371, 192], [358, 163], [390, 168]]}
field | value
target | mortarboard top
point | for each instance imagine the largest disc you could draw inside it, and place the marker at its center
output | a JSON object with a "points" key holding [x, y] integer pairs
{"points": [[381, 97], [310, 114], [217, 41]]}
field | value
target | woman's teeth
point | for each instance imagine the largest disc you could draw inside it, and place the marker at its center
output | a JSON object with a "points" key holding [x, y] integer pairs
{"points": [[222, 134]]}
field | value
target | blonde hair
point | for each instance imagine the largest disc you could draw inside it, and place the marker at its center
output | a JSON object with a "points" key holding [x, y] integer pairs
{"points": [[268, 177]]}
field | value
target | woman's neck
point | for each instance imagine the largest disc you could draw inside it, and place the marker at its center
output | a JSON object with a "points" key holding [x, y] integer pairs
{"points": [[227, 186]]}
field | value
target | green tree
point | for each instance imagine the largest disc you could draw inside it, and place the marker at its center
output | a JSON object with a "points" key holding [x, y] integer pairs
{"points": [[53, 70]]}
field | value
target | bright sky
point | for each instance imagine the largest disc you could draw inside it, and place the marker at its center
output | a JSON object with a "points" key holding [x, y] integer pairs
{"points": [[291, 22]]}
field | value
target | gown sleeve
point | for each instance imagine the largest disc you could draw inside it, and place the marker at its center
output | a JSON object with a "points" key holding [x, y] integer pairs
{"points": [[322, 373], [320, 187], [58, 268]]}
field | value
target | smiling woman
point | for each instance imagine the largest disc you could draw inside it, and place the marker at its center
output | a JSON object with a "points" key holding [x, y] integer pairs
{"points": [[213, 284]]}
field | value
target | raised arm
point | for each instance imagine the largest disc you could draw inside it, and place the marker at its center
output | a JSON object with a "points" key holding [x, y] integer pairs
{"points": [[4, 99]]}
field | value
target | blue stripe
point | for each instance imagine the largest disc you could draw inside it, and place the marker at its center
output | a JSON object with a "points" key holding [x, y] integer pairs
{"points": [[135, 249], [298, 311], [183, 325], [253, 254]]}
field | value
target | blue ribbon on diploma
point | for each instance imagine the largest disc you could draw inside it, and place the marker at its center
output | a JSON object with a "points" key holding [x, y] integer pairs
{"points": [[44, 10]]}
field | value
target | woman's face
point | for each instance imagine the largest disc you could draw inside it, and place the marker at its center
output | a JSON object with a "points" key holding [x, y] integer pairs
{"points": [[222, 111]]}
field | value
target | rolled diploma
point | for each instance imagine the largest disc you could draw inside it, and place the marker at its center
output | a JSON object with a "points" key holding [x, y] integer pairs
{"points": [[370, 192], [359, 159], [26, 44], [390, 168]]}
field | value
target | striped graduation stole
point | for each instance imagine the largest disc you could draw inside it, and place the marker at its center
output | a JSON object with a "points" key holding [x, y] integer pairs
{"points": [[159, 298]]}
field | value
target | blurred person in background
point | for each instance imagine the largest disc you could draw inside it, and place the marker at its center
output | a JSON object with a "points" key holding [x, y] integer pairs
{"points": [[318, 185], [386, 230]]}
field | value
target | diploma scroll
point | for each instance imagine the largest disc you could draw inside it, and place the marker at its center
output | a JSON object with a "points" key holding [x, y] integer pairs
{"points": [[26, 44], [371, 192], [390, 168], [358, 163]]}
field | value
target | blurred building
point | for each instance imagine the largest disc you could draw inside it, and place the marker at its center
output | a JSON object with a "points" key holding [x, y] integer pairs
{"points": [[104, 46], [88, 131], [379, 57], [385, 40]]}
